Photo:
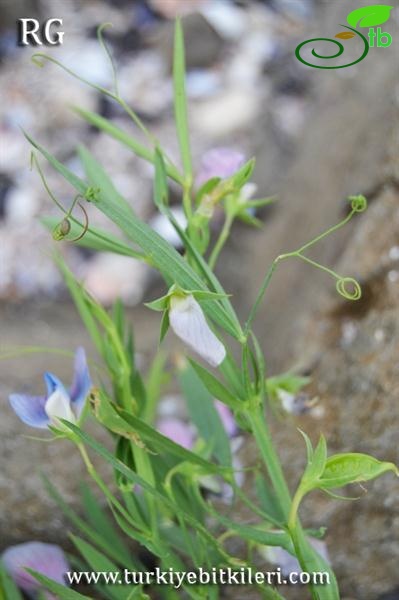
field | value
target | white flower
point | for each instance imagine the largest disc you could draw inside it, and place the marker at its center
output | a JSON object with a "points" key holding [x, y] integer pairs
{"points": [[58, 406], [189, 324]]}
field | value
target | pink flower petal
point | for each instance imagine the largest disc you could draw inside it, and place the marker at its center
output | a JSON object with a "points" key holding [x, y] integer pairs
{"points": [[177, 431], [219, 162], [47, 559]]}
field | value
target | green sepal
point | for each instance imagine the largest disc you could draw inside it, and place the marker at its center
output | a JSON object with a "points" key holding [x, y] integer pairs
{"points": [[206, 188], [243, 174], [164, 326]]}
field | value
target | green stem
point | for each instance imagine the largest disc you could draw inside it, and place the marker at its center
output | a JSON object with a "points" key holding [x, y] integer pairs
{"points": [[259, 297], [187, 201], [224, 234], [101, 484], [292, 518], [270, 458]]}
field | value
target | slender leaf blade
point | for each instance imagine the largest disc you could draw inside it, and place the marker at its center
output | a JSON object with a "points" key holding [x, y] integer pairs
{"points": [[98, 562], [121, 136], [62, 592], [181, 116], [216, 387], [8, 586], [204, 414]]}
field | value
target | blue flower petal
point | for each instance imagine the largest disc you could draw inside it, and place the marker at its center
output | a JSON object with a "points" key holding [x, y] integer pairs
{"points": [[53, 383], [30, 409], [81, 383]]}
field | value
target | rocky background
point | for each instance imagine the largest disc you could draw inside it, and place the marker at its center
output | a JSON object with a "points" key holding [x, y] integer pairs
{"points": [[318, 136]]}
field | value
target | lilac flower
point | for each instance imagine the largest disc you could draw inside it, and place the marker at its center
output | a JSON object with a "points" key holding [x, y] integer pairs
{"points": [[47, 559], [219, 162], [177, 430], [288, 563], [189, 324], [58, 403], [227, 419]]}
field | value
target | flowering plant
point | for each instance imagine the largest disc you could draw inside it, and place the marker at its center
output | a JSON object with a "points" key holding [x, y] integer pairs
{"points": [[169, 475]]}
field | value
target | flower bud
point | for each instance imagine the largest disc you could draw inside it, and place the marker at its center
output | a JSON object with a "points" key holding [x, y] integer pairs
{"points": [[189, 324], [61, 230]]}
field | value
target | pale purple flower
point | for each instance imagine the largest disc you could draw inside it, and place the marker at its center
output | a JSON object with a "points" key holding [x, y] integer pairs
{"points": [[189, 324], [58, 403], [227, 418], [46, 559], [288, 563], [219, 162], [177, 430], [295, 404]]}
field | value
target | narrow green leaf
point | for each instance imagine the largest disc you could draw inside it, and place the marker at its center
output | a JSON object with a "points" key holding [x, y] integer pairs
{"points": [[245, 371], [62, 592], [95, 536], [100, 521], [216, 387], [155, 380], [311, 562], [120, 135], [179, 75], [79, 297], [133, 534], [98, 562], [7, 586], [165, 444], [204, 414], [255, 534], [161, 192], [260, 367], [231, 373]]}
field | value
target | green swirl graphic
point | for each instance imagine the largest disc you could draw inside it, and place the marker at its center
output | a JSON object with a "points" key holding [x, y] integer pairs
{"points": [[338, 53]]}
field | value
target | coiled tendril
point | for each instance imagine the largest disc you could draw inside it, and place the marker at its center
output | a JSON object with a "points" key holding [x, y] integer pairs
{"points": [[358, 203], [349, 288], [61, 230]]}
